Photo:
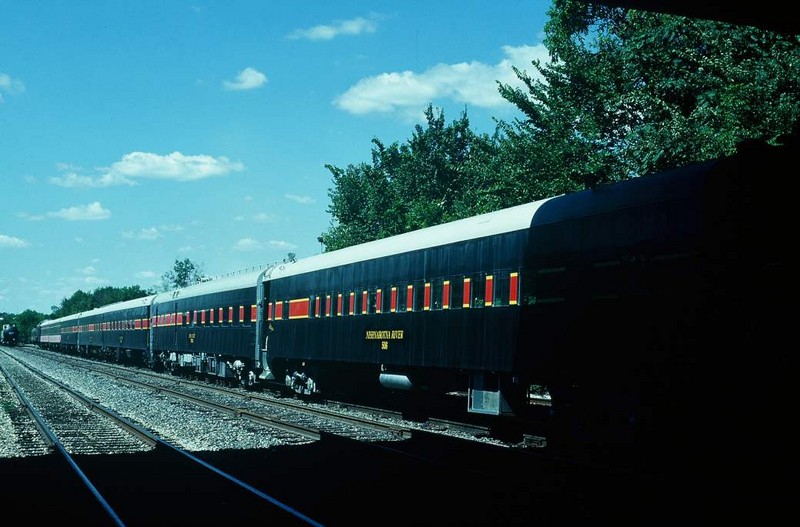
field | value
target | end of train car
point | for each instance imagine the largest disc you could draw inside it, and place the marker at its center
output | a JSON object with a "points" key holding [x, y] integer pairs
{"points": [[11, 335]]}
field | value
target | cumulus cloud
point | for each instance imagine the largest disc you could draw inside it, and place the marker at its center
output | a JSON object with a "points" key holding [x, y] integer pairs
{"points": [[143, 165], [247, 79], [473, 83], [305, 200], [12, 241], [92, 211], [280, 244], [247, 244], [145, 275], [151, 233], [355, 26], [10, 86]]}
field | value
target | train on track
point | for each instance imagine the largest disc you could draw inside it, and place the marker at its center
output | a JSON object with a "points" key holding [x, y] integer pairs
{"points": [[10, 335], [634, 306]]}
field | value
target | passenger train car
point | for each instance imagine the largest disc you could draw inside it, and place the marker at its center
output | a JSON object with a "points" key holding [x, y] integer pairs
{"points": [[638, 303]]}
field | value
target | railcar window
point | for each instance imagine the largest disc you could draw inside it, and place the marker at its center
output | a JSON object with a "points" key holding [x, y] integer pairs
{"points": [[355, 304], [477, 286], [372, 301], [339, 302], [550, 284], [501, 288], [402, 299], [457, 292], [348, 304], [313, 306], [427, 301], [437, 285], [418, 295], [377, 300], [285, 311]]}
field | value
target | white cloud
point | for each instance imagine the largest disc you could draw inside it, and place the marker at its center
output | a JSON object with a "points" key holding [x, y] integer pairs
{"points": [[279, 244], [263, 217], [145, 274], [473, 83], [248, 79], [92, 211], [247, 244], [12, 241], [355, 26], [305, 200], [10, 86], [151, 233], [143, 165], [88, 270]]}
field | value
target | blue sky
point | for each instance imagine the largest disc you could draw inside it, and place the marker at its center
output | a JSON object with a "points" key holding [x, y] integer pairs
{"points": [[135, 133]]}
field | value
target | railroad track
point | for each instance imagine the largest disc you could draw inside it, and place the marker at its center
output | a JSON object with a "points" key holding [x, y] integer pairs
{"points": [[75, 428], [334, 480], [344, 418]]}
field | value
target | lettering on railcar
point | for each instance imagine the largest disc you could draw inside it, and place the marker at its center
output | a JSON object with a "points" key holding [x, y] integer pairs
{"points": [[384, 334]]}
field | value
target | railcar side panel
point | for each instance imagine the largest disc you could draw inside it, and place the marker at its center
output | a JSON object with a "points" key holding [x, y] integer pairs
{"points": [[410, 327]]}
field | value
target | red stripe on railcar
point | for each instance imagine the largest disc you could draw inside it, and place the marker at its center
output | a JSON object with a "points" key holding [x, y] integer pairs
{"points": [[446, 294], [409, 297], [488, 292], [298, 308], [465, 299], [378, 300], [513, 287]]}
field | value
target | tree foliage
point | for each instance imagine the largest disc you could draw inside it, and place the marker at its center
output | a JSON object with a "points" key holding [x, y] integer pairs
{"points": [[436, 176], [628, 93], [184, 273], [102, 296]]}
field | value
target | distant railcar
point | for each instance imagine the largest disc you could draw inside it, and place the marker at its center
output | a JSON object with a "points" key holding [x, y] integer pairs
{"points": [[10, 335]]}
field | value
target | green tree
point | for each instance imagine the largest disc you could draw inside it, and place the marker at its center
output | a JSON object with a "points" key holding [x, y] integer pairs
{"points": [[439, 175], [628, 93], [83, 301], [184, 273], [78, 302]]}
